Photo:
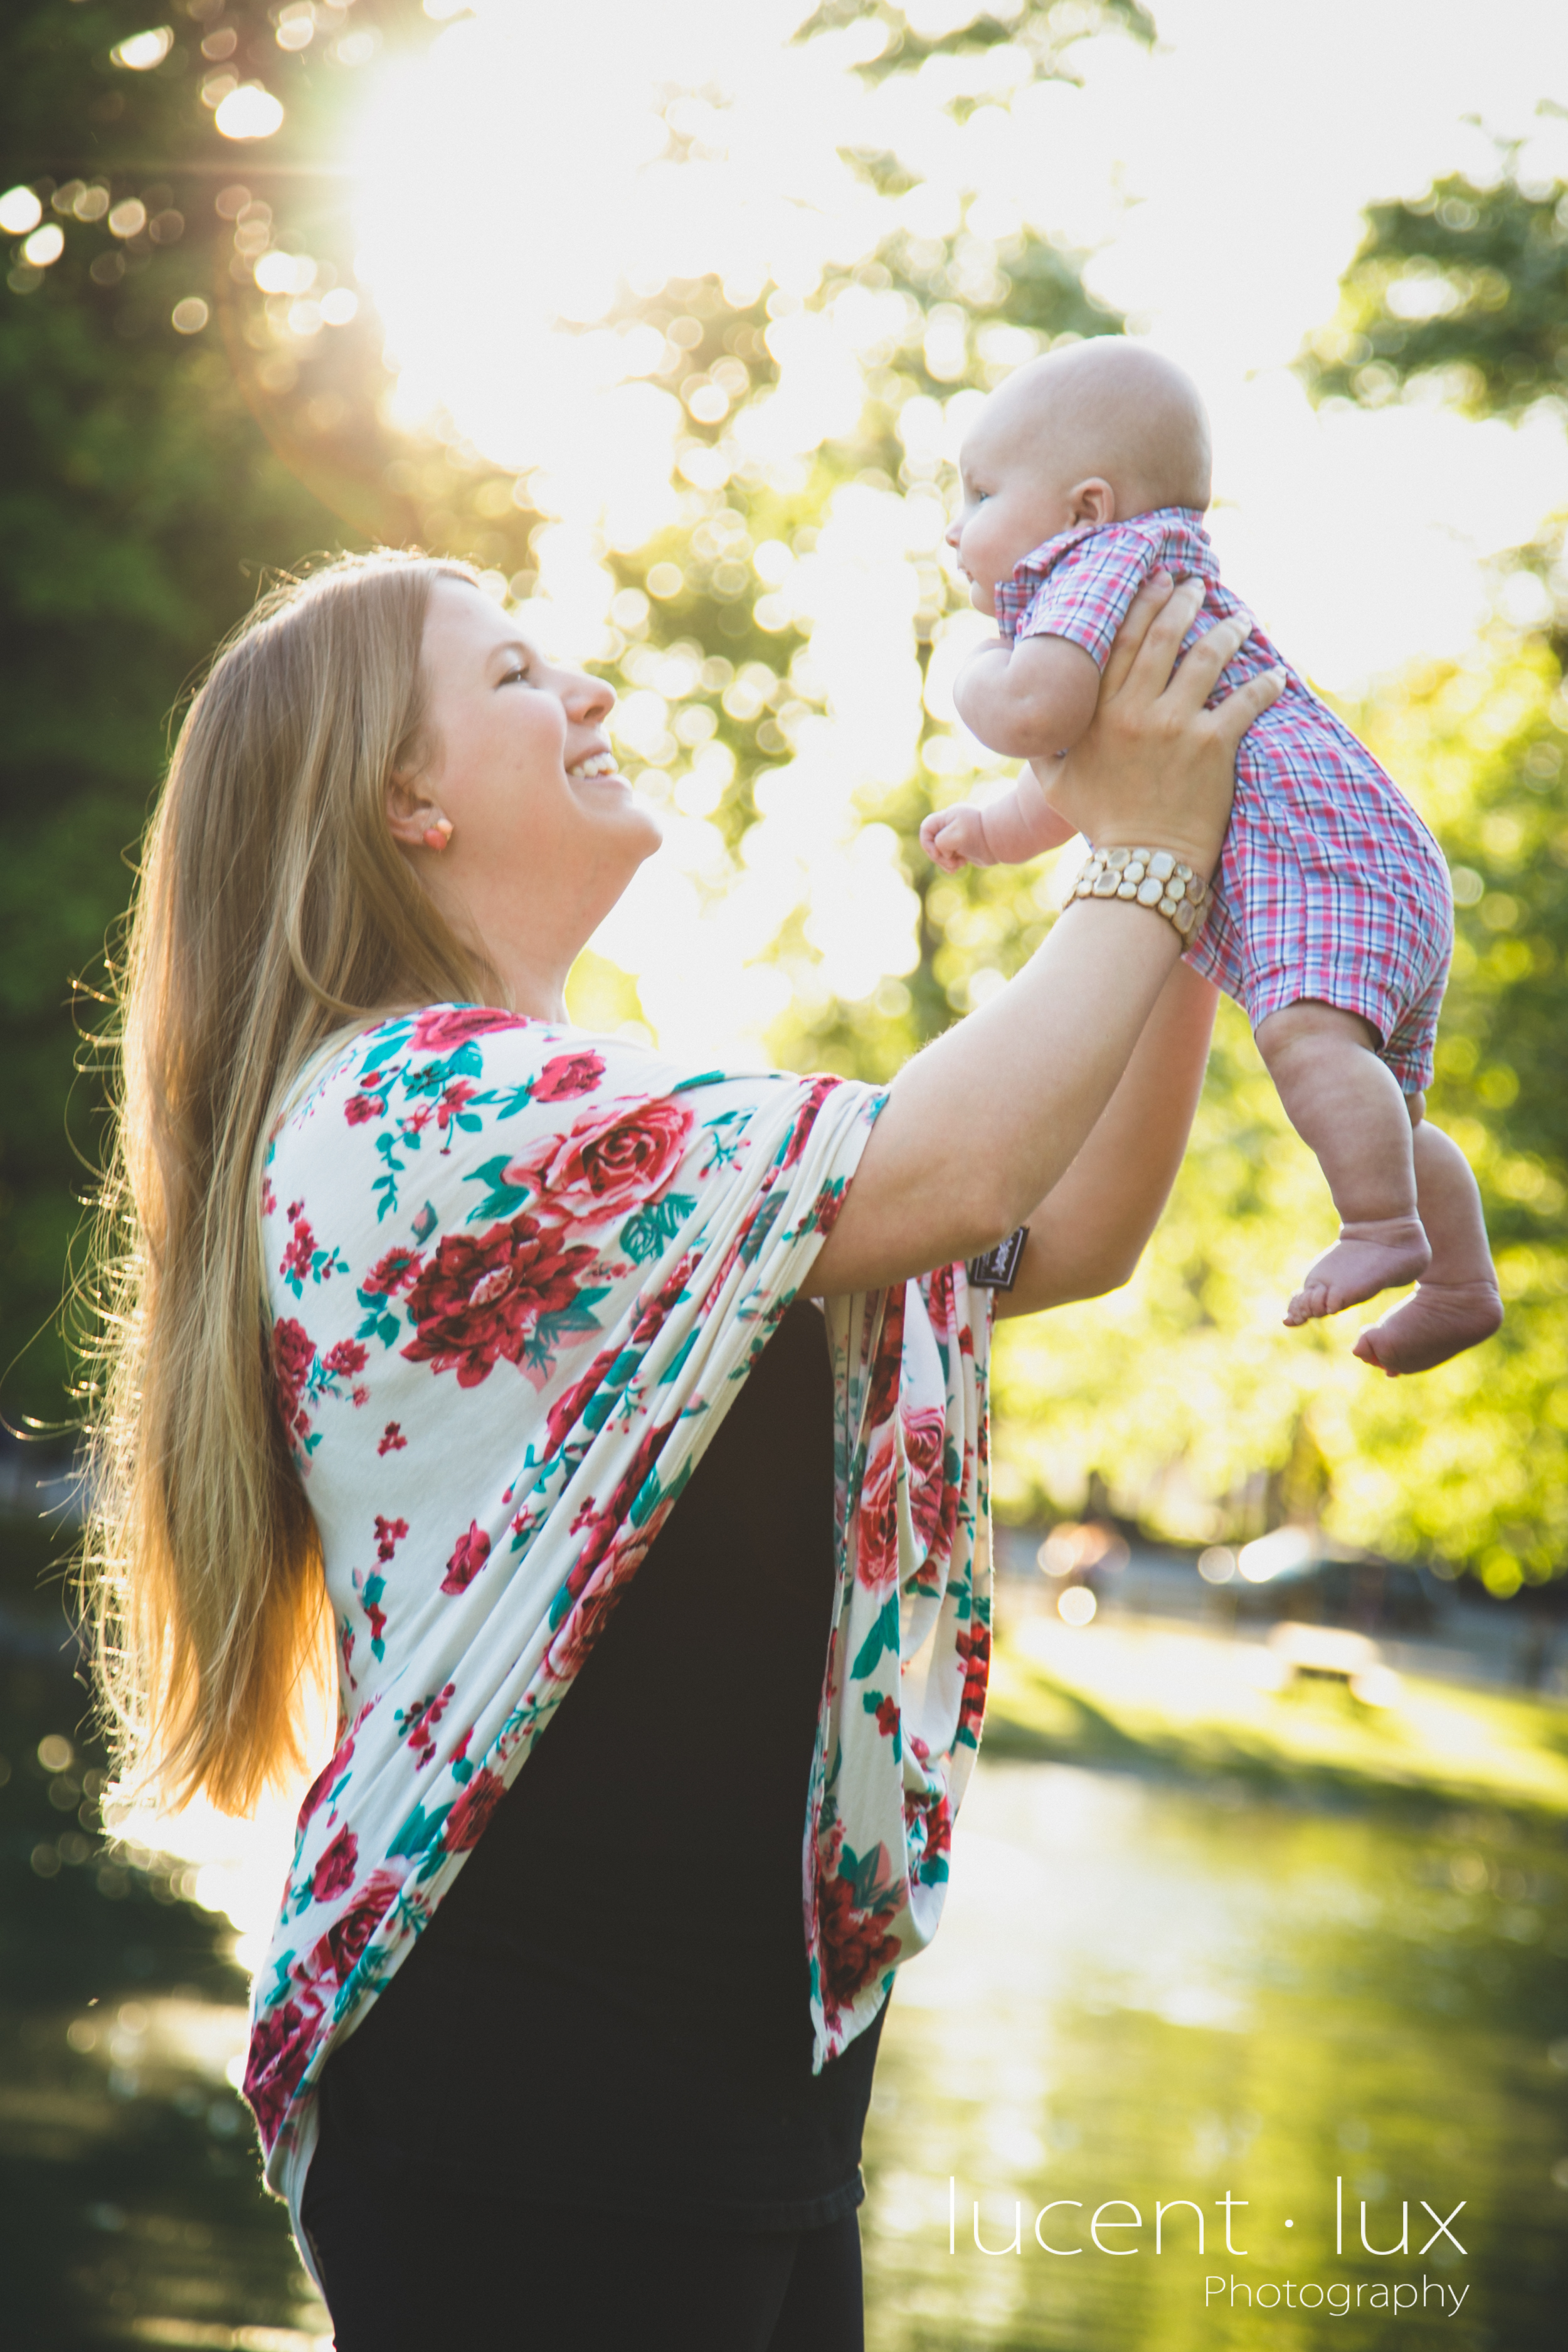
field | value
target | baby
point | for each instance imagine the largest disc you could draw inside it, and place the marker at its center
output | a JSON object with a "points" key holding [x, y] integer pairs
{"points": [[1330, 921]]}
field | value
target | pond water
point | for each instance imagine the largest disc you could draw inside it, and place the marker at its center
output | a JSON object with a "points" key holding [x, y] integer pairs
{"points": [[1143, 1991]]}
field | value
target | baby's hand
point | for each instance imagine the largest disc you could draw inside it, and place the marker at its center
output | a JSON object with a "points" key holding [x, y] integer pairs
{"points": [[953, 837]]}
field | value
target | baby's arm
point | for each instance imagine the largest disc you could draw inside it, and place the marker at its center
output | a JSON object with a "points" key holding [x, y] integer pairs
{"points": [[1030, 700], [1019, 824]]}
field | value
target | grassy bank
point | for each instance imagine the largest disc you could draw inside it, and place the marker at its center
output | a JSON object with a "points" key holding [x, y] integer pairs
{"points": [[1152, 1697]]}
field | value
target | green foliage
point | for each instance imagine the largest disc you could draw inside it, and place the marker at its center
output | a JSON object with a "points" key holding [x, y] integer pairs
{"points": [[1469, 283], [1047, 35], [1204, 1417]]}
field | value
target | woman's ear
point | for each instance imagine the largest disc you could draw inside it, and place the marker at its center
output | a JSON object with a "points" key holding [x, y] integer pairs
{"points": [[1093, 501], [413, 819]]}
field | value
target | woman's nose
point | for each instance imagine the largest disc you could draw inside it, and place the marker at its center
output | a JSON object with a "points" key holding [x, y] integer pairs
{"points": [[588, 699]]}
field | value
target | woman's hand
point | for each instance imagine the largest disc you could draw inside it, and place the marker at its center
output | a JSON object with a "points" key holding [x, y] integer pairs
{"points": [[1154, 766]]}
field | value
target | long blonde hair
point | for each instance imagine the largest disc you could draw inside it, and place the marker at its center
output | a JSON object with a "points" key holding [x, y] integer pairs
{"points": [[272, 908]]}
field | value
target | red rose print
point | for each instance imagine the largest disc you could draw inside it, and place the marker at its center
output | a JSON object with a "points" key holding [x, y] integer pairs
{"points": [[805, 1119], [652, 1312], [281, 2046], [389, 1274], [361, 1108], [445, 1027], [453, 1098], [472, 1811], [925, 1446], [347, 1357], [973, 1648], [337, 1764], [343, 1944], [419, 1723], [480, 1297], [889, 1372], [293, 1353], [877, 1522], [334, 1873], [854, 1946], [828, 1207], [392, 1439], [610, 1163], [567, 1410], [887, 1717], [469, 1556], [613, 1572], [301, 1249], [567, 1075], [389, 1534], [606, 1524]]}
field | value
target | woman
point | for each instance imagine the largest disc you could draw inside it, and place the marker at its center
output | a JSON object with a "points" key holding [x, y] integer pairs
{"points": [[515, 1387]]}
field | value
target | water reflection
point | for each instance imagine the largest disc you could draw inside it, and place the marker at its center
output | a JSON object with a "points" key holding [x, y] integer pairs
{"points": [[1144, 1994], [1143, 1991]]}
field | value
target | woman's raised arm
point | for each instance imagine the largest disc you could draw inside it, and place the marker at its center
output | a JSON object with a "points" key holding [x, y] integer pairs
{"points": [[1088, 1235], [984, 1125]]}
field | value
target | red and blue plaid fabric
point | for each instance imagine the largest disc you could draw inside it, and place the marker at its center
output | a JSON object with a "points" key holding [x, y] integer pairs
{"points": [[1330, 886]]}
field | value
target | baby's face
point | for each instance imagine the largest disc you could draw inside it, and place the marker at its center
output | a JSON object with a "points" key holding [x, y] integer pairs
{"points": [[1013, 499]]}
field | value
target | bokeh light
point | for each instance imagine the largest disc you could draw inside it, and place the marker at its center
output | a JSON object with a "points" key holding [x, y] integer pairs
{"points": [[513, 247], [143, 51], [250, 111], [19, 211]]}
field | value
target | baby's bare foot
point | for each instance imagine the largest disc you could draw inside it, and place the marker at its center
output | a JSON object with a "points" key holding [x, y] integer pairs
{"points": [[1443, 1319], [1367, 1258]]}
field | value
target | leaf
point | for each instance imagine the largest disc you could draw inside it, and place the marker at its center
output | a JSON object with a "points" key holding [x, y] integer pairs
{"points": [[418, 1831], [646, 1232], [576, 1318], [673, 1370], [503, 1200], [760, 1227], [883, 1635]]}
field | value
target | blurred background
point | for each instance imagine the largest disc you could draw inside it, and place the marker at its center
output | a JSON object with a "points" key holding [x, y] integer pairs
{"points": [[671, 320]]}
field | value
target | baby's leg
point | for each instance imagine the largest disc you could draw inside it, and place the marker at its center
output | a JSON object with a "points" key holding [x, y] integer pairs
{"points": [[1347, 1106], [1457, 1303]]}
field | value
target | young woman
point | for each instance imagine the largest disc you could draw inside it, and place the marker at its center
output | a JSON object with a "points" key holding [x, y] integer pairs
{"points": [[478, 1362]]}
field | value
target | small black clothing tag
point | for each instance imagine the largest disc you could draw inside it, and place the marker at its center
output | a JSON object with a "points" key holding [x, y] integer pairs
{"points": [[997, 1269]]}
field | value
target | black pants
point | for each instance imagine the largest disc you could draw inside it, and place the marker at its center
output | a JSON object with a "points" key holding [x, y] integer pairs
{"points": [[409, 2271]]}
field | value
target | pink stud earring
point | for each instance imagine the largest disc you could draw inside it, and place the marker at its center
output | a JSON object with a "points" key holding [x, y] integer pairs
{"points": [[439, 835]]}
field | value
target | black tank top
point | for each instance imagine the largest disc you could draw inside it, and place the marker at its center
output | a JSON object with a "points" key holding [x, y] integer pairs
{"points": [[610, 2005]]}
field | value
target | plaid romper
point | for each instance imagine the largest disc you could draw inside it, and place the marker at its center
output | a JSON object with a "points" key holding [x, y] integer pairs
{"points": [[1330, 886]]}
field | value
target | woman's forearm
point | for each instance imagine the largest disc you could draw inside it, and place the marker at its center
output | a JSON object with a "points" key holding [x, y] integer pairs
{"points": [[987, 1121], [1088, 1233]]}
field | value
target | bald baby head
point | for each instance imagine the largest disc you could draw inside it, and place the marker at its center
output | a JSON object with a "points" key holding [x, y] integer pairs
{"points": [[1112, 408], [1092, 434]]}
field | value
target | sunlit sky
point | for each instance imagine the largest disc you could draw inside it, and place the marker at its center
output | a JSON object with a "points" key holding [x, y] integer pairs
{"points": [[535, 164], [1219, 182]]}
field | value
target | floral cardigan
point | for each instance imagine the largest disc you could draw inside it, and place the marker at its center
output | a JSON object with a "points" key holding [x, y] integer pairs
{"points": [[516, 1274]]}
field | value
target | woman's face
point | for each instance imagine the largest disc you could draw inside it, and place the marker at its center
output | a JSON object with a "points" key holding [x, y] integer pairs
{"points": [[546, 834]]}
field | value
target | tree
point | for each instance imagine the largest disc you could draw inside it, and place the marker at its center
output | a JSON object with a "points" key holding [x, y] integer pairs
{"points": [[193, 389]]}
